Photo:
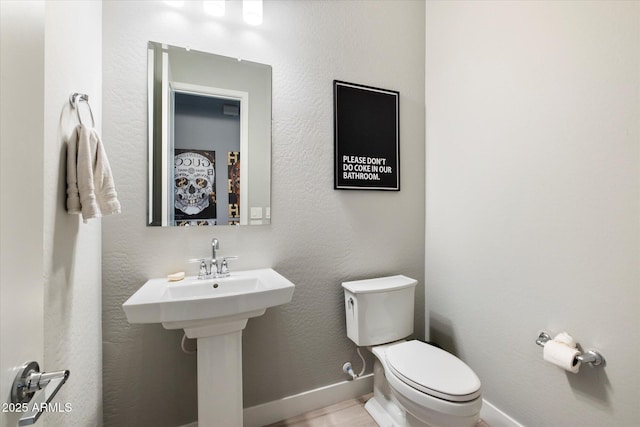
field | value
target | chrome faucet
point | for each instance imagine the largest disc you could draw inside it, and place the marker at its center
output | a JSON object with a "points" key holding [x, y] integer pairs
{"points": [[215, 244], [215, 269]]}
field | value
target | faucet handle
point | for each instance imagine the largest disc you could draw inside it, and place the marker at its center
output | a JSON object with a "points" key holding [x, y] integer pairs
{"points": [[224, 267], [203, 267]]}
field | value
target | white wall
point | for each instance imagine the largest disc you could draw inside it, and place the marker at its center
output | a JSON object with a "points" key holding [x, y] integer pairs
{"points": [[318, 238], [72, 250], [21, 156], [533, 200]]}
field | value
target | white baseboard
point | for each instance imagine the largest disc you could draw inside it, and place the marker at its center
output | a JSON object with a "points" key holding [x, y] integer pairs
{"points": [[495, 417], [290, 406]]}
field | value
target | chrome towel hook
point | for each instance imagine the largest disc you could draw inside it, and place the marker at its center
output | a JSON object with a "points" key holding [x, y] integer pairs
{"points": [[75, 99]]}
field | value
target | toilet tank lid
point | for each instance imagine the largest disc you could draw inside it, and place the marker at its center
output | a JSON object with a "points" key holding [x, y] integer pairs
{"points": [[379, 284]]}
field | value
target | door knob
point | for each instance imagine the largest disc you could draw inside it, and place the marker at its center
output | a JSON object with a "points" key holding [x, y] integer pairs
{"points": [[30, 383]]}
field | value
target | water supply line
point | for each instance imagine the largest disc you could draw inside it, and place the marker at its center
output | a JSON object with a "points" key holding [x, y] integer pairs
{"points": [[348, 369], [184, 347]]}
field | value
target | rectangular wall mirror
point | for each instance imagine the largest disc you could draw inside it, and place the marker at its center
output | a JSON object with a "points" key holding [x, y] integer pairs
{"points": [[209, 139]]}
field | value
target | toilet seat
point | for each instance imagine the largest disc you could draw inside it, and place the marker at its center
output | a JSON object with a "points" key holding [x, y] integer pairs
{"points": [[433, 371]]}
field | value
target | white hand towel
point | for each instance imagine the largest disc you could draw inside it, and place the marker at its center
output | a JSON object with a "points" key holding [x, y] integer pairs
{"points": [[90, 187], [73, 195]]}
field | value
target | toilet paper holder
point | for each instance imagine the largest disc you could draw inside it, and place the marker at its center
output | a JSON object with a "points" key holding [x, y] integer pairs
{"points": [[592, 357]]}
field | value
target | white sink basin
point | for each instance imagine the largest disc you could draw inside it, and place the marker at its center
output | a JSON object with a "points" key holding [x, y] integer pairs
{"points": [[192, 303], [219, 288]]}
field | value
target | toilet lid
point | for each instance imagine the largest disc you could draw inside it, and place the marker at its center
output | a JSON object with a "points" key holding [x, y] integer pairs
{"points": [[433, 371]]}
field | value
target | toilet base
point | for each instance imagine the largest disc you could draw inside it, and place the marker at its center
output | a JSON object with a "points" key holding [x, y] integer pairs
{"points": [[384, 408], [379, 415], [387, 411]]}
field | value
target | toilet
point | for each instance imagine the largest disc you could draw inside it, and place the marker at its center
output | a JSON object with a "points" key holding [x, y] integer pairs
{"points": [[414, 383]]}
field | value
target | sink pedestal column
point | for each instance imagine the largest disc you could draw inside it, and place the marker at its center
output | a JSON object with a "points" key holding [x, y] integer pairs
{"points": [[219, 368], [220, 380]]}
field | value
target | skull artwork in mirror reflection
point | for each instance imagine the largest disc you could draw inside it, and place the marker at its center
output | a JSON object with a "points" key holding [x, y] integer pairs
{"points": [[194, 190]]}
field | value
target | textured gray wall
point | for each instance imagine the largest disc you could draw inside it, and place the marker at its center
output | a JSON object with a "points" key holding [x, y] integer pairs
{"points": [[533, 208], [319, 237]]}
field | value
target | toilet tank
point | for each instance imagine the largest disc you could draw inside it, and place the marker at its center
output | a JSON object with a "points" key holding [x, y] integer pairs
{"points": [[379, 310]]}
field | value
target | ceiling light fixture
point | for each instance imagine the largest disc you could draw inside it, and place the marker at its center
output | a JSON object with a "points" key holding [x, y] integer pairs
{"points": [[252, 11], [214, 7]]}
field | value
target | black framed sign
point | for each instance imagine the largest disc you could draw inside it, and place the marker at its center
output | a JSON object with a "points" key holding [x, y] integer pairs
{"points": [[366, 137]]}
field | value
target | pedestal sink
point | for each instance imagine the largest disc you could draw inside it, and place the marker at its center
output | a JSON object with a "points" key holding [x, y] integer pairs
{"points": [[215, 311]]}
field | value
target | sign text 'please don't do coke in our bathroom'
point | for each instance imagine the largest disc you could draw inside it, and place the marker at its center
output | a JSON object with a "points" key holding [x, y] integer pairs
{"points": [[364, 168]]}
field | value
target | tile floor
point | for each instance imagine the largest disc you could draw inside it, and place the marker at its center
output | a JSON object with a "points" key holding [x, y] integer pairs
{"points": [[350, 413]]}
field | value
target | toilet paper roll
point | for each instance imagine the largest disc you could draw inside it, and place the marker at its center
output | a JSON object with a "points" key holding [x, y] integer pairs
{"points": [[565, 338], [562, 355]]}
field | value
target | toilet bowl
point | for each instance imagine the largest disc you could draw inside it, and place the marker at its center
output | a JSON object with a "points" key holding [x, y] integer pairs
{"points": [[433, 386], [415, 384]]}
